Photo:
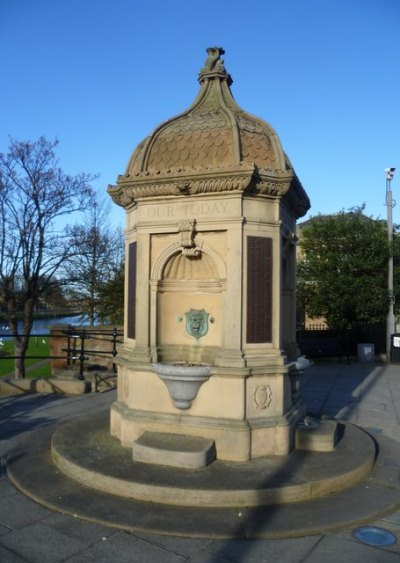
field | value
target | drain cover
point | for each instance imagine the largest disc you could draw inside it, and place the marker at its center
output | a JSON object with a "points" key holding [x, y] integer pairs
{"points": [[374, 536]]}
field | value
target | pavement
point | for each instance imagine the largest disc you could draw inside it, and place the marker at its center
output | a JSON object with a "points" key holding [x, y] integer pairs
{"points": [[367, 395]]}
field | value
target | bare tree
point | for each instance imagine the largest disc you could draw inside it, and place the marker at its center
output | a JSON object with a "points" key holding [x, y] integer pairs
{"points": [[111, 297], [34, 194], [98, 252]]}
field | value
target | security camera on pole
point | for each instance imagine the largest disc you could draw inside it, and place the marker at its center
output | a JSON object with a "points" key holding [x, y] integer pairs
{"points": [[391, 320]]}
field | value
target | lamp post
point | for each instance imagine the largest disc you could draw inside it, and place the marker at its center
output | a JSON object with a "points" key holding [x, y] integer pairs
{"points": [[391, 321]]}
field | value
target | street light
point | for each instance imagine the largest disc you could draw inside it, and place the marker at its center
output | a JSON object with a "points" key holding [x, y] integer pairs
{"points": [[391, 321]]}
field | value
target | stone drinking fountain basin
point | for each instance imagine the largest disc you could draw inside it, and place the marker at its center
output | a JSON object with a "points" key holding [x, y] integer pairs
{"points": [[183, 380]]}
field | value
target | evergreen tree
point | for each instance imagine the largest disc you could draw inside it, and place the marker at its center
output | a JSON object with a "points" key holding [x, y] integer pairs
{"points": [[342, 274]]}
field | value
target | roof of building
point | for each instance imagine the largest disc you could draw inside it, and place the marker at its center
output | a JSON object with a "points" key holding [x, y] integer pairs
{"points": [[212, 146], [213, 133]]}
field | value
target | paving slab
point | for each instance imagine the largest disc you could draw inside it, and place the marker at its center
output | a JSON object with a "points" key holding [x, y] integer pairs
{"points": [[394, 518], [289, 550], [40, 544], [331, 549], [87, 532], [124, 548], [18, 511], [9, 556]]}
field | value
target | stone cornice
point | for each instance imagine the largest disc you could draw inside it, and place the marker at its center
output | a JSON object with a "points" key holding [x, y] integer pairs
{"points": [[297, 199], [244, 179], [284, 184], [131, 189]]}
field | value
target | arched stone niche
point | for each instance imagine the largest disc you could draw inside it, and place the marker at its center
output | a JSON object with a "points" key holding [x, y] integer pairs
{"points": [[181, 286]]}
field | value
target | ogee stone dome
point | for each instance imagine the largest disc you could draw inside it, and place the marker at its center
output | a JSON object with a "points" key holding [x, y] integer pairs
{"points": [[214, 146]]}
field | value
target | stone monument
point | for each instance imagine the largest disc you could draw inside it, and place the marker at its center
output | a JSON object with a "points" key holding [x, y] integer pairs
{"points": [[208, 366], [211, 203]]}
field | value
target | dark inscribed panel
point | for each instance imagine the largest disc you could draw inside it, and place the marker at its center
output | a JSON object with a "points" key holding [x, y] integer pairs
{"points": [[259, 290], [132, 290]]}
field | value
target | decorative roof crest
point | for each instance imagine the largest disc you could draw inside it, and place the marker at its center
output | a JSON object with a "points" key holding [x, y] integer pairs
{"points": [[214, 64]]}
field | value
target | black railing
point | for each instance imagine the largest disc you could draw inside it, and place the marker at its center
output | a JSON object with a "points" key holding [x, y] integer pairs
{"points": [[76, 349], [81, 352], [325, 341]]}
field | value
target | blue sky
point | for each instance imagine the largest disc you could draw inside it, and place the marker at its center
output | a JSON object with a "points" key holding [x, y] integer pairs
{"points": [[99, 75]]}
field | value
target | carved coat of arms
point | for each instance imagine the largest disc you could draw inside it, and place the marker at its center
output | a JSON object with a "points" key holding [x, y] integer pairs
{"points": [[196, 322]]}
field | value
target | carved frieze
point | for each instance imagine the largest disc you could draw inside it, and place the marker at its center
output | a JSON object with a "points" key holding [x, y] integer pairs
{"points": [[272, 183], [128, 191]]}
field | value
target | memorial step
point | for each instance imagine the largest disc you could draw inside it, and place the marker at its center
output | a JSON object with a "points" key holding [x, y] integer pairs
{"points": [[174, 450]]}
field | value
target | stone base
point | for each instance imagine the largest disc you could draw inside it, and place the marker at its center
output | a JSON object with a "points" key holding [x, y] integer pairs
{"points": [[174, 450], [100, 463], [235, 440], [317, 435]]}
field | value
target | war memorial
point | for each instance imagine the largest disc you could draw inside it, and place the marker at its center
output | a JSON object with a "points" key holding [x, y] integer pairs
{"points": [[209, 435]]}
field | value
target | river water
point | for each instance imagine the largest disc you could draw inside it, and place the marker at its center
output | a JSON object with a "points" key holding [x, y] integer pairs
{"points": [[42, 326]]}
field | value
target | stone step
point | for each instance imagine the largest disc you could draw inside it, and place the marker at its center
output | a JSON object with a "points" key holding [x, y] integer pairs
{"points": [[85, 451], [174, 450], [318, 435]]}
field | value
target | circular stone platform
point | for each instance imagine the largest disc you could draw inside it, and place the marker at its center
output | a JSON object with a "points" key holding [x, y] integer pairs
{"points": [[300, 494]]}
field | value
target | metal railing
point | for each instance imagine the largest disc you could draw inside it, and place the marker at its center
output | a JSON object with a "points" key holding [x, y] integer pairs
{"points": [[348, 338], [81, 353], [76, 350]]}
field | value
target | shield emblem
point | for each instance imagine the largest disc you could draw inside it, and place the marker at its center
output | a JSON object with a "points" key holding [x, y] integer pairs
{"points": [[196, 322]]}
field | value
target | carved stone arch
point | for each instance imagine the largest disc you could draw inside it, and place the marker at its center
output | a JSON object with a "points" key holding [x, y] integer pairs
{"points": [[180, 283], [174, 249]]}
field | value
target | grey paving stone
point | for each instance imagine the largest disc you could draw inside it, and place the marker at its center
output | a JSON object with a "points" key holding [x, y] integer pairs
{"points": [[18, 511], [4, 530], [40, 544], [210, 558], [6, 488], [86, 532], [332, 549], [125, 548], [367, 417], [7, 556], [292, 550], [394, 518], [183, 546]]}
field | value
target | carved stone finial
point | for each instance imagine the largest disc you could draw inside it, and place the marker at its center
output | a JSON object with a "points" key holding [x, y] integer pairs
{"points": [[214, 63], [214, 60]]}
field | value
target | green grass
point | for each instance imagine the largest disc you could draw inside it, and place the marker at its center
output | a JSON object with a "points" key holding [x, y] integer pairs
{"points": [[38, 346]]}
